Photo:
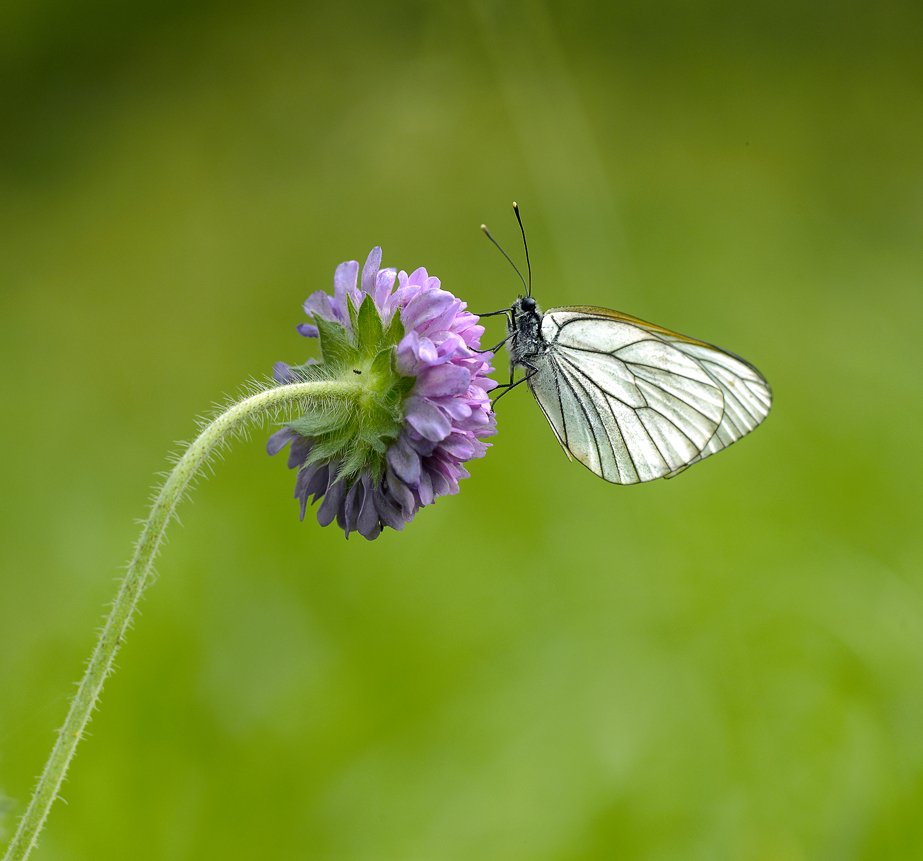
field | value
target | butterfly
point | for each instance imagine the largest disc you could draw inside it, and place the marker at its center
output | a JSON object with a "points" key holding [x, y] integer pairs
{"points": [[630, 400]]}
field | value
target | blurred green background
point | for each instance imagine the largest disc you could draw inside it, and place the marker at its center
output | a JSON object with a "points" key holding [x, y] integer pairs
{"points": [[725, 666]]}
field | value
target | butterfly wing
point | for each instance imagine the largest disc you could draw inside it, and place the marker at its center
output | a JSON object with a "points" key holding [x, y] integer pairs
{"points": [[633, 401]]}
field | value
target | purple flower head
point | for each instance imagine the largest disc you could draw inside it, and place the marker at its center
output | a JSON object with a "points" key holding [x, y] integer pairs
{"points": [[426, 410]]}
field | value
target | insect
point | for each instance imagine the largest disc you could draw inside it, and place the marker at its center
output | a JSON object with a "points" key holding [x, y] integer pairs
{"points": [[630, 400]]}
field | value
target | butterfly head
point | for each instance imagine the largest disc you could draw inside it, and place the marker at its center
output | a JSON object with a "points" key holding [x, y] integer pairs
{"points": [[524, 308]]}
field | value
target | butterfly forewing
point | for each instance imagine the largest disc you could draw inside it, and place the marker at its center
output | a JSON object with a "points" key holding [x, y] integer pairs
{"points": [[633, 401]]}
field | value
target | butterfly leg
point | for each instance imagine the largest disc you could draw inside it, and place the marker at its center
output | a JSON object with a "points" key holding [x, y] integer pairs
{"points": [[495, 347], [508, 387]]}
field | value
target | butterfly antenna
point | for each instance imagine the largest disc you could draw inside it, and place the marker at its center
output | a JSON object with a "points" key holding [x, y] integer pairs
{"points": [[507, 256], [525, 245]]}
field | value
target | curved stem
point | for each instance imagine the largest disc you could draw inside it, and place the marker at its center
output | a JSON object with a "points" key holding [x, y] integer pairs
{"points": [[231, 421]]}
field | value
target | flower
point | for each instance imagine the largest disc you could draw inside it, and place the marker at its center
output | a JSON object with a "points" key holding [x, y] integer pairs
{"points": [[424, 411]]}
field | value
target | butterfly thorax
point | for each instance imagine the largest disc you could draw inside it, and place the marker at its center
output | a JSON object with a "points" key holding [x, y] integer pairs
{"points": [[524, 327]]}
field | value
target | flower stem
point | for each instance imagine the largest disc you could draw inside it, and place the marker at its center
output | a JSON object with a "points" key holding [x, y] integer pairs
{"points": [[218, 432]]}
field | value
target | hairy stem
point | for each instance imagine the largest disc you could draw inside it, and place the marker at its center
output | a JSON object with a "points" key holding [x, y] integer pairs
{"points": [[232, 421]]}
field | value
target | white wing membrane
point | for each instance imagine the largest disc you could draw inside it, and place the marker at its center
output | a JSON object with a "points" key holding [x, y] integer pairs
{"points": [[747, 398], [633, 402]]}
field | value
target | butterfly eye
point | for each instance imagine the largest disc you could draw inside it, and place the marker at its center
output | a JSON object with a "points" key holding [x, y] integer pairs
{"points": [[527, 304]]}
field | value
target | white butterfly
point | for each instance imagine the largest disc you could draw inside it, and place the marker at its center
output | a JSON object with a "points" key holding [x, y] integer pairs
{"points": [[630, 400]]}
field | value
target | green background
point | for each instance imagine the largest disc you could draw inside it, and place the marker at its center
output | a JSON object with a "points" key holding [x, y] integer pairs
{"points": [[724, 666]]}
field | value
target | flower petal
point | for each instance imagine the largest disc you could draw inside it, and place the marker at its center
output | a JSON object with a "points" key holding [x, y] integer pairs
{"points": [[330, 507], [368, 523], [457, 408], [370, 270], [306, 477], [407, 359], [401, 494], [317, 482], [426, 306], [298, 453], [388, 510], [404, 461], [344, 288], [279, 440], [426, 418], [318, 305], [384, 283], [442, 321], [458, 445], [348, 515], [443, 381], [425, 489]]}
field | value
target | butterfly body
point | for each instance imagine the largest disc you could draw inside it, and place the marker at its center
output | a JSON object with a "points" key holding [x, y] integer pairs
{"points": [[524, 328], [631, 400]]}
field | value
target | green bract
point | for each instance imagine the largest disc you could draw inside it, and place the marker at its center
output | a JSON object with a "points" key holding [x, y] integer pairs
{"points": [[355, 431]]}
